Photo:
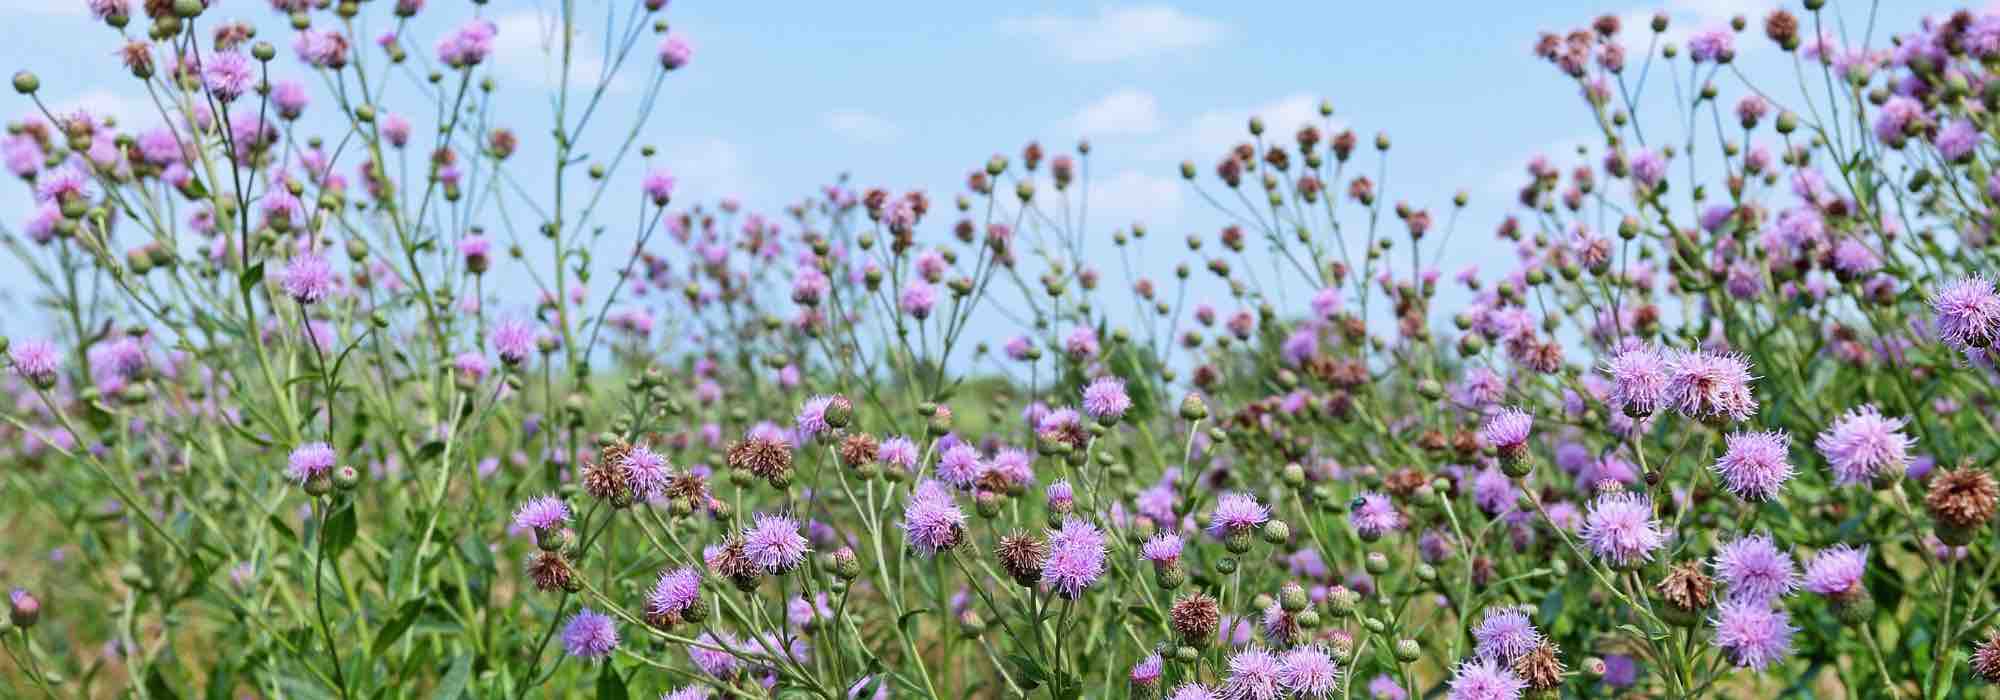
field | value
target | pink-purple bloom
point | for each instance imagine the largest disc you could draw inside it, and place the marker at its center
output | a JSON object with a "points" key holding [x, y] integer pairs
{"points": [[1236, 513], [1753, 568], [1105, 399], [590, 635], [310, 461], [1620, 527], [1485, 679], [1505, 634], [1863, 445], [773, 543], [541, 514], [1755, 465], [1752, 634]]}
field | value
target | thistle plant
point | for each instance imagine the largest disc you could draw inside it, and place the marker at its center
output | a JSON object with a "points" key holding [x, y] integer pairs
{"points": [[350, 386]]}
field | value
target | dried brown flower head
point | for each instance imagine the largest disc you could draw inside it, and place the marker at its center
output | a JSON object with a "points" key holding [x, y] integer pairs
{"points": [[1686, 587], [1963, 497], [1541, 668], [1021, 557], [1195, 618]]}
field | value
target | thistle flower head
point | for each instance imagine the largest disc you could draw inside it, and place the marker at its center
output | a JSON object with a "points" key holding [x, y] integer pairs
{"points": [[1504, 635], [590, 635], [1755, 465], [773, 542], [1863, 445], [1485, 679], [1236, 513], [1620, 527], [310, 461], [1836, 571], [1752, 634], [1753, 568], [1105, 398]]}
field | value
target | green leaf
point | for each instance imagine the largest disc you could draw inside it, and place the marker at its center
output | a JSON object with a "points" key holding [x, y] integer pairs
{"points": [[455, 679], [610, 685], [430, 451], [251, 278], [1144, 613], [157, 686], [393, 631], [340, 530], [283, 529], [904, 621], [1030, 669]]}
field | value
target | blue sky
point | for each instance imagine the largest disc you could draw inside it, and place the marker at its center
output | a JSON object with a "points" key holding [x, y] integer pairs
{"points": [[782, 97]]}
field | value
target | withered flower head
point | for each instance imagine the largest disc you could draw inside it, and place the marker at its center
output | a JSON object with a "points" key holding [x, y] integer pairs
{"points": [[608, 481], [763, 456], [1687, 588], [1962, 498], [1195, 617], [1541, 668], [689, 486], [858, 449], [1021, 557], [1986, 658], [550, 571]]}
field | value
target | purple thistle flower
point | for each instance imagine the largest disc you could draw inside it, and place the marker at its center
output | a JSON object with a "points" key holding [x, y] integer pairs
{"points": [[1485, 679], [1863, 445], [686, 692], [1639, 378], [63, 184], [469, 46], [1192, 691], [1718, 45], [513, 340], [1752, 634], [917, 299], [471, 365], [310, 461], [1710, 385], [1105, 399], [1253, 675], [1308, 672], [1164, 549], [1836, 571], [1146, 673], [659, 185], [898, 451], [649, 471], [541, 514], [710, 654], [1236, 513], [1508, 431], [590, 635], [675, 52], [774, 543], [1957, 140], [227, 75], [308, 278], [1894, 120], [1754, 569], [932, 521], [674, 592], [1386, 688], [1968, 313], [1504, 635], [1081, 343], [960, 466], [1061, 497], [811, 420], [1620, 527], [1374, 515], [1649, 168], [1754, 466], [1494, 492], [36, 361], [1076, 557]]}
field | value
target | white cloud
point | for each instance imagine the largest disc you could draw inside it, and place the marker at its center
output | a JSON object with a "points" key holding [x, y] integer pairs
{"points": [[1122, 113], [859, 126], [1135, 196], [1119, 33], [45, 7], [710, 170], [1686, 17], [529, 44], [1213, 132]]}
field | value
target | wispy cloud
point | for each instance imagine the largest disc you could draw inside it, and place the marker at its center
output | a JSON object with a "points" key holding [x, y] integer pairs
{"points": [[1126, 112], [711, 169], [529, 44], [130, 111], [1119, 33], [861, 126], [1135, 196], [1210, 133]]}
